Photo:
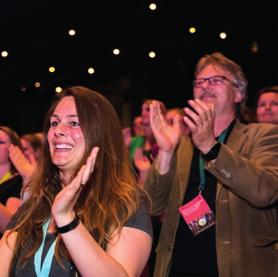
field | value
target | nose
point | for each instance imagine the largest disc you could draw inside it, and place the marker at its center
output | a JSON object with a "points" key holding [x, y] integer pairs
{"points": [[268, 106], [60, 130], [205, 84]]}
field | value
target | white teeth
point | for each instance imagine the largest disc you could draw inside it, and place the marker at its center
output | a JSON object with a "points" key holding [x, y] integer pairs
{"points": [[63, 146]]}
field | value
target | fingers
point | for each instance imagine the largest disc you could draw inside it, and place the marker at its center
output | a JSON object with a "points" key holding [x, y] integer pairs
{"points": [[23, 166], [157, 119], [69, 194], [15, 153], [202, 115], [84, 172], [32, 159], [89, 166]]}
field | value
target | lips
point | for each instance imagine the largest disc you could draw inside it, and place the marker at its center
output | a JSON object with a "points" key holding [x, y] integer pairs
{"points": [[207, 97], [63, 146]]}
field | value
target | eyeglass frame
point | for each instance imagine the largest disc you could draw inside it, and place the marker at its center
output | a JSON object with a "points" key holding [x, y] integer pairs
{"points": [[209, 81]]}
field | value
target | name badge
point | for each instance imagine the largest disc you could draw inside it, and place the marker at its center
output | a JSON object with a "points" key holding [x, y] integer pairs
{"points": [[197, 215]]}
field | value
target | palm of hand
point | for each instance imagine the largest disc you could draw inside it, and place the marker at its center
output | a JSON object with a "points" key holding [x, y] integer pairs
{"points": [[167, 136], [23, 166]]}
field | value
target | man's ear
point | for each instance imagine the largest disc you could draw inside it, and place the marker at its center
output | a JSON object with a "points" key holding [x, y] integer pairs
{"points": [[238, 96]]}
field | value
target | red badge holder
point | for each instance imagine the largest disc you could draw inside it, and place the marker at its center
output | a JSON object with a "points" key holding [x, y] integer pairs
{"points": [[197, 215]]}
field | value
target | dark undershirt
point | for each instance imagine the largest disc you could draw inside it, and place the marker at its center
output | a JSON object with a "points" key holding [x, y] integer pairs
{"points": [[195, 256]]}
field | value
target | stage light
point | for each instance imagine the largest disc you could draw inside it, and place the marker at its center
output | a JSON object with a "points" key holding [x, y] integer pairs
{"points": [[58, 89], [116, 51], [192, 30], [152, 54], [37, 84], [152, 6], [51, 69], [91, 70], [4, 54], [223, 35], [72, 32]]}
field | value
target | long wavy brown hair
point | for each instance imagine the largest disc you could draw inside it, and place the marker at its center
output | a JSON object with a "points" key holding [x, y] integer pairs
{"points": [[111, 195]]}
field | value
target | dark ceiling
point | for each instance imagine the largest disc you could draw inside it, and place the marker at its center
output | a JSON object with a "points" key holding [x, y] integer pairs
{"points": [[35, 35]]}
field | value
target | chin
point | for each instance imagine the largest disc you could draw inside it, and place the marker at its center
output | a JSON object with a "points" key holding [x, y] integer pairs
{"points": [[209, 100]]}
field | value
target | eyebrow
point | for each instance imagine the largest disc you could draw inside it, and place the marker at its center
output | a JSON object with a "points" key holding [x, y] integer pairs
{"points": [[70, 115]]}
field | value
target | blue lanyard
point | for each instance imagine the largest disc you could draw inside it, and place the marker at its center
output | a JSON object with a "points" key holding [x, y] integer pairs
{"points": [[42, 270], [202, 162]]}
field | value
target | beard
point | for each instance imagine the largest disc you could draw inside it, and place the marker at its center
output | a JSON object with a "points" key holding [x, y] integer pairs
{"points": [[206, 95]]}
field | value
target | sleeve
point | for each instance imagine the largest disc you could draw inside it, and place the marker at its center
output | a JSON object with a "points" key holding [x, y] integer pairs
{"points": [[251, 172], [141, 219], [159, 187]]}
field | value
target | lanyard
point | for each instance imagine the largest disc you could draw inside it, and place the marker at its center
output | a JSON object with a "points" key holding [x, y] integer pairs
{"points": [[43, 269], [202, 162]]}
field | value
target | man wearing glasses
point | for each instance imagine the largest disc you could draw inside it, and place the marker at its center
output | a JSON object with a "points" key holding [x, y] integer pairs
{"points": [[220, 186]]}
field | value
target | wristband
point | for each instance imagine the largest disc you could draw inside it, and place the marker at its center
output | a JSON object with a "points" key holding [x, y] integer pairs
{"points": [[66, 228]]}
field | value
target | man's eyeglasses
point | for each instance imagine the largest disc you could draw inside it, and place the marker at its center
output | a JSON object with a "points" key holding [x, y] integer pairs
{"points": [[213, 81]]}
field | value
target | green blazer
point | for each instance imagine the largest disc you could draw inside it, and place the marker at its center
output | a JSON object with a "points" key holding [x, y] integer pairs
{"points": [[246, 202]]}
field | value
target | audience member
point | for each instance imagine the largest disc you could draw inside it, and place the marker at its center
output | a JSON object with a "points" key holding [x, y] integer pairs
{"points": [[267, 105], [24, 160], [227, 168], [10, 180], [143, 149], [85, 209], [135, 131], [138, 129]]}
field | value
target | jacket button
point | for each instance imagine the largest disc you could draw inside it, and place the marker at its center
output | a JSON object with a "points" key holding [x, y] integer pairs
{"points": [[224, 201], [226, 173], [225, 242]]}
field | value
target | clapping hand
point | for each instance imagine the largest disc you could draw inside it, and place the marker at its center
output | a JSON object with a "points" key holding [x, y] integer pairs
{"points": [[201, 122], [64, 202], [167, 136], [24, 167]]}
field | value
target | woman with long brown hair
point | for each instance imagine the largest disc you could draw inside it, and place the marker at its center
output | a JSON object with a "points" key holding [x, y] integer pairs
{"points": [[86, 214], [10, 180]]}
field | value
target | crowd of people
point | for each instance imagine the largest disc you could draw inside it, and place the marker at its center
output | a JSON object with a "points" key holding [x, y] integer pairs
{"points": [[83, 194]]}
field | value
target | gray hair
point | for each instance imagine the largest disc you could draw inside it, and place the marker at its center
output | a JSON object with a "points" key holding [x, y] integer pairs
{"points": [[219, 60]]}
